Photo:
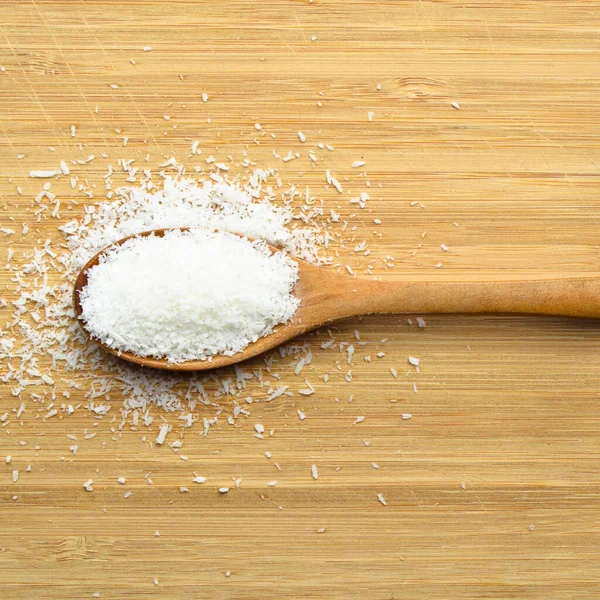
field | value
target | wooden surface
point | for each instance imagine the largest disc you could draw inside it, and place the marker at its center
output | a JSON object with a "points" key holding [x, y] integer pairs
{"points": [[507, 406]]}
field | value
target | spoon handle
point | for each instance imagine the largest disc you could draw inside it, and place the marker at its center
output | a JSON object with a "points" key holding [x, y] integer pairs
{"points": [[573, 297]]}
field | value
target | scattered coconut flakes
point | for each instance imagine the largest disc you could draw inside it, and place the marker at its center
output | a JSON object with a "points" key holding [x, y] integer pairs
{"points": [[147, 48], [223, 490], [315, 472], [414, 361], [333, 181], [370, 116], [134, 210], [198, 479], [381, 499], [301, 415], [276, 393], [358, 163], [272, 483], [421, 322], [455, 105], [88, 485], [307, 391], [302, 137], [359, 420]]}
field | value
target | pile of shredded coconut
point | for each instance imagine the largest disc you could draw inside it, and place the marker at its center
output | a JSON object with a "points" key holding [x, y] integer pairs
{"points": [[188, 295], [44, 324]]}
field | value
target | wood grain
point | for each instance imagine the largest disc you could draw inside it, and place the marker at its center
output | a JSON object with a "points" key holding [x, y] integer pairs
{"points": [[506, 405]]}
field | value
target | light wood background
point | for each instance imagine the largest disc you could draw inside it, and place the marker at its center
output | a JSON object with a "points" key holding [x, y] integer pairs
{"points": [[514, 418]]}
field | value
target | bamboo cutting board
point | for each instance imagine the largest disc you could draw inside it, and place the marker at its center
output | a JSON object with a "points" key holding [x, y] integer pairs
{"points": [[493, 485]]}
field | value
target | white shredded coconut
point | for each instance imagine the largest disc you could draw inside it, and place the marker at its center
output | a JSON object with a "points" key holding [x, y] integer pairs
{"points": [[162, 434], [247, 209], [184, 203], [43, 174], [188, 295]]}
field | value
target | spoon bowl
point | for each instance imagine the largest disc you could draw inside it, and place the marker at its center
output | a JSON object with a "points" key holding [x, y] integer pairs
{"points": [[327, 296]]}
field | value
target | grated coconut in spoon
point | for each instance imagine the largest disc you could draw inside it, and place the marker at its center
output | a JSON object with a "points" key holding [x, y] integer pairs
{"points": [[188, 295]]}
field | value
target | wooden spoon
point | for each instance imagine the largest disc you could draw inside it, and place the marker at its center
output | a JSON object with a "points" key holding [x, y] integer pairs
{"points": [[327, 296]]}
